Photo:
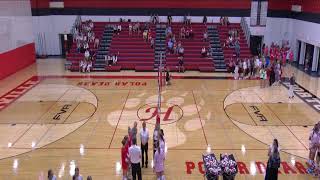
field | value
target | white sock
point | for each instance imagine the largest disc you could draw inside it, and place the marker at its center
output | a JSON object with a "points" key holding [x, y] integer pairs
{"points": [[163, 178]]}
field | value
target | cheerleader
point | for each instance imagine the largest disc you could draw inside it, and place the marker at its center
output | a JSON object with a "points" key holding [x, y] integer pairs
{"points": [[314, 145], [89, 66]]}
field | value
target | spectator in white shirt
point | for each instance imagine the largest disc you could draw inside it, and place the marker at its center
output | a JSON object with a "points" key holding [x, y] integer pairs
{"points": [[135, 158], [77, 175], [51, 176], [87, 54], [144, 137]]}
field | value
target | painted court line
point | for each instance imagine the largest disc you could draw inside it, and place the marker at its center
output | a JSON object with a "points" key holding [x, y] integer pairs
{"points": [[114, 132]]}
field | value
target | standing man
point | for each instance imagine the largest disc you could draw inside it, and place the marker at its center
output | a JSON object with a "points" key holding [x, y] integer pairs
{"points": [[144, 137], [292, 82], [135, 158]]}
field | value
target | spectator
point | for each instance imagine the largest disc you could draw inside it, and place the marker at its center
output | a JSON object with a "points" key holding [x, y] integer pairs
{"points": [[89, 178], [273, 161], [169, 19], [180, 64], [77, 175], [87, 54], [145, 35], [191, 34], [83, 65], [203, 51], [292, 83], [205, 36], [221, 21], [226, 21], [181, 51], [89, 66], [168, 77], [96, 43], [115, 58], [272, 76], [204, 21], [149, 35], [236, 72], [182, 32], [237, 48], [169, 31], [152, 43], [86, 45], [119, 29], [144, 137], [170, 46], [159, 158], [51, 175], [135, 158], [262, 77], [130, 29]]}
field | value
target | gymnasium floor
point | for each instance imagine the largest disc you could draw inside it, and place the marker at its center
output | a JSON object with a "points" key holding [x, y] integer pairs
{"points": [[59, 120]]}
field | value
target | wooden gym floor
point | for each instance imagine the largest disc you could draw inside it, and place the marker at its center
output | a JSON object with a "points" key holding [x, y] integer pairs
{"points": [[59, 120]]}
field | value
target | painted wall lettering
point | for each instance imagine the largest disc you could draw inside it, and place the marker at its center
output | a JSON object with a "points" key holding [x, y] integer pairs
{"points": [[62, 111]]}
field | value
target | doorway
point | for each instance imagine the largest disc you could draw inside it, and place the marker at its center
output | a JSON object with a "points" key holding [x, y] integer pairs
{"points": [[65, 45], [256, 45], [309, 57]]}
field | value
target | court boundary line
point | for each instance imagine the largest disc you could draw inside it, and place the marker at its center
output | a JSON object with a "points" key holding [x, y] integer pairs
{"points": [[195, 102], [114, 132]]}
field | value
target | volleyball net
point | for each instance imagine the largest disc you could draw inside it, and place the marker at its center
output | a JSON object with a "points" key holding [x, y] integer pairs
{"points": [[161, 83]]}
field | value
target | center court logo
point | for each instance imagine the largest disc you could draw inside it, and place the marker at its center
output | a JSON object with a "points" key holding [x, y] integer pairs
{"points": [[170, 113]]}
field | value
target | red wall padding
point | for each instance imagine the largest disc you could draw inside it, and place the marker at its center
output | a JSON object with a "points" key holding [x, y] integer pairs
{"points": [[216, 4], [15, 60]]}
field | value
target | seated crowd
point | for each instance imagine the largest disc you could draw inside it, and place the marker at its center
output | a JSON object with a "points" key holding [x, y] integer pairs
{"points": [[83, 35]]}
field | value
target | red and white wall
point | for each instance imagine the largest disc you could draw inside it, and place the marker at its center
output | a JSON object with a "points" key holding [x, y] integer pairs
{"points": [[16, 36]]}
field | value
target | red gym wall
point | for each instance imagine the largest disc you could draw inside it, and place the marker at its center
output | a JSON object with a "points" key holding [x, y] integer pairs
{"points": [[308, 6], [222, 4], [16, 59]]}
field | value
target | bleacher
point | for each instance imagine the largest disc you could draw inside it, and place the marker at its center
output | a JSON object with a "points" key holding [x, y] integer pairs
{"points": [[229, 53], [192, 48], [74, 57], [134, 52]]}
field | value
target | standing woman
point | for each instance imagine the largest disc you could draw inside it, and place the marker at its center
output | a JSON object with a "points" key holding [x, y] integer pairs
{"points": [[156, 137], [273, 161], [126, 143], [159, 158]]}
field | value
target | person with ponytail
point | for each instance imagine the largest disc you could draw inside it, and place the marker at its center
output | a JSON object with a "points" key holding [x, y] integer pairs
{"points": [[159, 158]]}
